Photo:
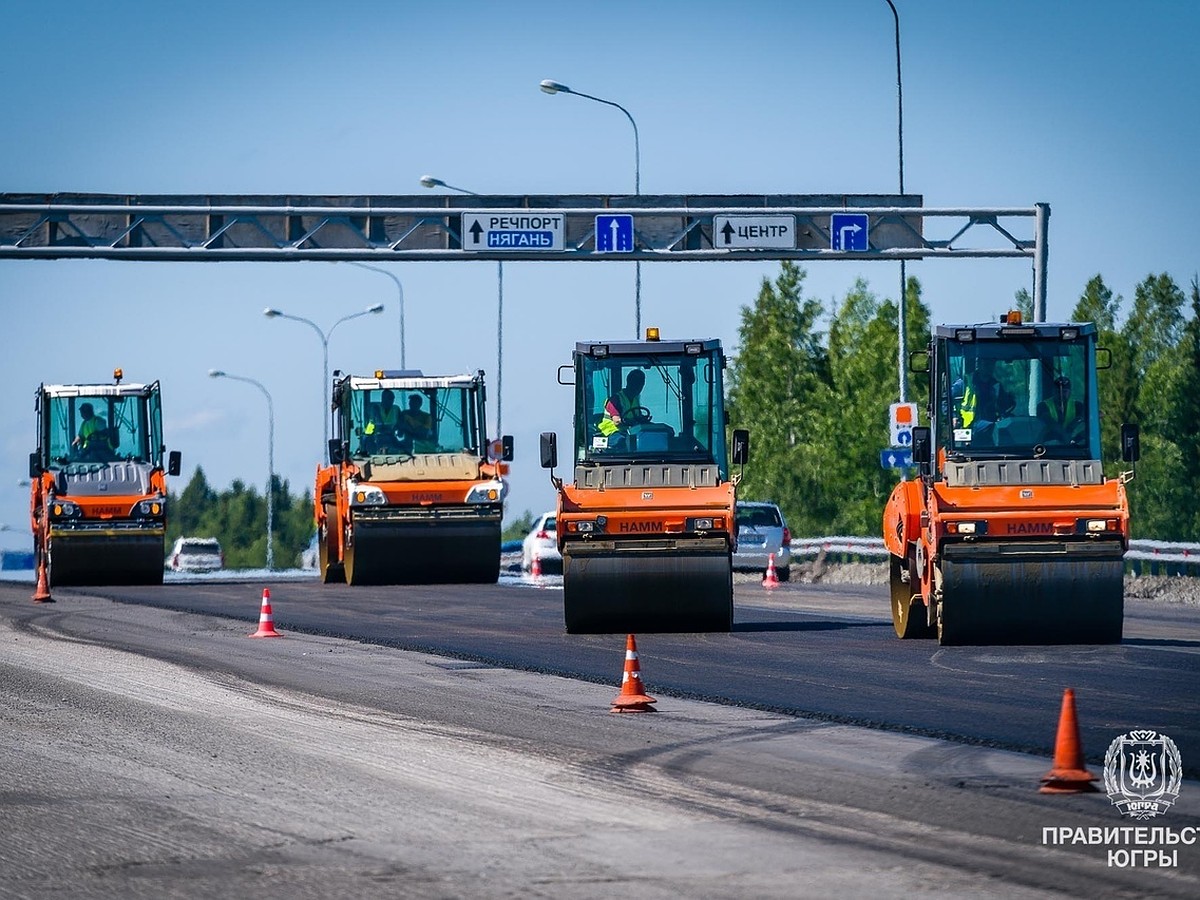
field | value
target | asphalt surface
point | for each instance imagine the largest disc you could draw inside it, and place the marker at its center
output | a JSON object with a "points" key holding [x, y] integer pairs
{"points": [[152, 749], [827, 652]]}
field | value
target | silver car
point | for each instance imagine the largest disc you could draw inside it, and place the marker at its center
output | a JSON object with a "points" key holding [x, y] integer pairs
{"points": [[196, 555], [761, 531]]}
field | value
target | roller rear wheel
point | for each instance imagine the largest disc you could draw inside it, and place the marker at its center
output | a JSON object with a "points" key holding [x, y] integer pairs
{"points": [[331, 571], [909, 616]]}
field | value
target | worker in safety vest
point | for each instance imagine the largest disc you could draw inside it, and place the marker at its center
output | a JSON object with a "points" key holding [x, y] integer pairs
{"points": [[383, 426], [983, 399], [92, 439], [617, 408], [417, 426], [1062, 412]]}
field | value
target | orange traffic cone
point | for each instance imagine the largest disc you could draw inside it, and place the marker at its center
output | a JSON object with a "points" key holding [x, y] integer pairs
{"points": [[266, 624], [633, 695], [41, 593], [772, 580], [535, 568], [1068, 775]]}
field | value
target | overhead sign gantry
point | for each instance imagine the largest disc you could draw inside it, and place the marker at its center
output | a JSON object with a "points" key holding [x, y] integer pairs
{"points": [[571, 227]]}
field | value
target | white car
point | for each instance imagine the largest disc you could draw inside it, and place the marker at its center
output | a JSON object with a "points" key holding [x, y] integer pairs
{"points": [[196, 555], [311, 555], [761, 532], [542, 544]]}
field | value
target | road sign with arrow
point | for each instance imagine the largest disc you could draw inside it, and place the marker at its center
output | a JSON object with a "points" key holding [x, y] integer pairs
{"points": [[520, 229], [614, 234], [849, 231], [762, 232]]}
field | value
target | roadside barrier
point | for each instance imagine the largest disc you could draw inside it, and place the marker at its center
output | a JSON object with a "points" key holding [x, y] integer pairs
{"points": [[1144, 557]]}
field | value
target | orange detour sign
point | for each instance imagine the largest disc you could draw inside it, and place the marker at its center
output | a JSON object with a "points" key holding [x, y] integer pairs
{"points": [[633, 694], [266, 624], [1068, 775]]}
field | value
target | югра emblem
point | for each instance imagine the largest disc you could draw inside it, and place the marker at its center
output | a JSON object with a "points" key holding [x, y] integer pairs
{"points": [[1142, 773]]}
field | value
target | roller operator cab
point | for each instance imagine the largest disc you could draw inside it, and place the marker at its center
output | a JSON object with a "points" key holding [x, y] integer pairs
{"points": [[1013, 533], [647, 526], [414, 492], [98, 497]]}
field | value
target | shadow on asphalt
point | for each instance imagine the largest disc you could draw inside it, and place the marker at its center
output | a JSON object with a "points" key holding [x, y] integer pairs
{"points": [[1158, 642], [804, 626]]}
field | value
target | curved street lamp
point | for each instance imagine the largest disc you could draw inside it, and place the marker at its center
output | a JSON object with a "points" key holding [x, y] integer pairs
{"points": [[555, 87], [430, 182], [400, 296], [217, 373], [272, 313], [902, 312]]}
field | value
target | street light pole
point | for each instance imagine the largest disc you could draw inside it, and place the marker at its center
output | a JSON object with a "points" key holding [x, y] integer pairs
{"points": [[554, 87], [430, 182], [399, 294], [217, 373], [272, 313], [902, 324]]}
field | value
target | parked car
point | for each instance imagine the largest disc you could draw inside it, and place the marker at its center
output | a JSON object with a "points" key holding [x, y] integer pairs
{"points": [[196, 555], [542, 544], [310, 555], [762, 531]]}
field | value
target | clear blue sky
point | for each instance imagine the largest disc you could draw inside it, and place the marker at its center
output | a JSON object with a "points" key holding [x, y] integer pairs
{"points": [[1091, 107]]}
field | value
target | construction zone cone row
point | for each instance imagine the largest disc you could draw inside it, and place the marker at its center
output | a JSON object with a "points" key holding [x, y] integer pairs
{"points": [[266, 624], [1068, 775], [772, 579], [633, 696]]}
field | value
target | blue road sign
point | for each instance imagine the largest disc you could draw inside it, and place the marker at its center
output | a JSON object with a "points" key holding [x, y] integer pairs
{"points": [[896, 458], [849, 232], [614, 234]]}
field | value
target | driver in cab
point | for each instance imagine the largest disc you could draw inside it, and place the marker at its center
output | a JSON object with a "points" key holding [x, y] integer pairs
{"points": [[618, 407], [983, 399]]}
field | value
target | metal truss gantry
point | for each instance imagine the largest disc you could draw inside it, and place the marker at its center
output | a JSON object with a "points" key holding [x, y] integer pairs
{"points": [[261, 228]]}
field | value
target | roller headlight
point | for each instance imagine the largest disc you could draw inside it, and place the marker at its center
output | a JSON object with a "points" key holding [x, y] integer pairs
{"points": [[150, 508], [366, 495], [966, 528], [64, 509], [488, 492]]}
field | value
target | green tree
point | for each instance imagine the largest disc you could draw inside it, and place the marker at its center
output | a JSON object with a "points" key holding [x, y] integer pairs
{"points": [[863, 356], [1118, 384], [1160, 503], [517, 528], [1023, 303], [778, 390], [1155, 323]]}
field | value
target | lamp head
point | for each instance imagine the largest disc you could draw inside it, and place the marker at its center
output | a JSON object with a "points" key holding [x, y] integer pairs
{"points": [[430, 182], [553, 87], [377, 308], [271, 313], [215, 373]]}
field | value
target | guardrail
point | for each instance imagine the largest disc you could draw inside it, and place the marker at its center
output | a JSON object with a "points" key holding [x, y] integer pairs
{"points": [[1145, 557]]}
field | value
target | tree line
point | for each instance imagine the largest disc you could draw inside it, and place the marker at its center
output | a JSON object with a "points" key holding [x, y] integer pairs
{"points": [[813, 386], [238, 519]]}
